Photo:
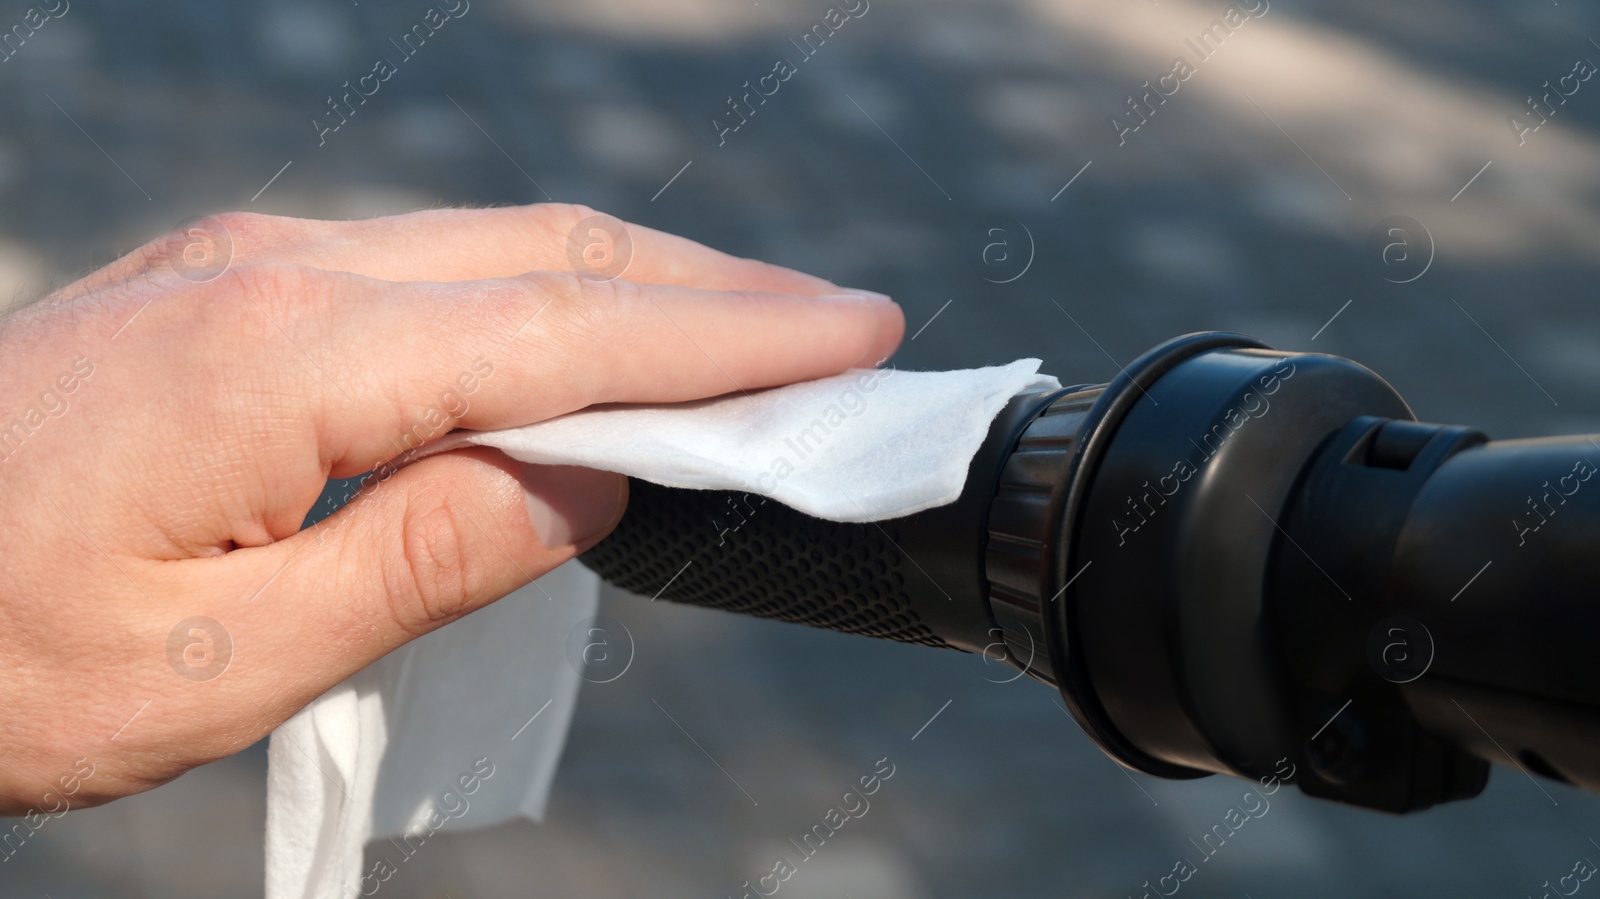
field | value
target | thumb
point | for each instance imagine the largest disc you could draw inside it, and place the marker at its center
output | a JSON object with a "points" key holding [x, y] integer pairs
{"points": [[438, 539]]}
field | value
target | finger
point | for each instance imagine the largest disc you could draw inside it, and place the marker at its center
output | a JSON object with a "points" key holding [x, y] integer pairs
{"points": [[434, 542], [473, 244], [396, 365], [454, 245]]}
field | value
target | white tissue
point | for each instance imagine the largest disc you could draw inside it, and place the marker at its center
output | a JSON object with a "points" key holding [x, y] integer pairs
{"points": [[463, 727], [382, 755], [865, 445]]}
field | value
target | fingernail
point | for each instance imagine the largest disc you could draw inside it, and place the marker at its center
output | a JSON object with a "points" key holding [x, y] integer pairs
{"points": [[855, 293], [571, 506]]}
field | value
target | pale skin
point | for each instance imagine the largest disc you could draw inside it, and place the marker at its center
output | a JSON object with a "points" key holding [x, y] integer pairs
{"points": [[175, 482]]}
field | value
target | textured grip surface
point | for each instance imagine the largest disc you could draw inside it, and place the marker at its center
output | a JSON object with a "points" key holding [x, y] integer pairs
{"points": [[745, 553]]}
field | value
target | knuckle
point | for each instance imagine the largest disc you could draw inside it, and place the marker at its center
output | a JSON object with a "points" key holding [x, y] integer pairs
{"points": [[257, 227], [279, 290], [583, 313], [198, 247], [558, 218], [228, 334], [198, 250], [246, 312], [578, 320], [223, 312], [554, 227], [437, 575]]}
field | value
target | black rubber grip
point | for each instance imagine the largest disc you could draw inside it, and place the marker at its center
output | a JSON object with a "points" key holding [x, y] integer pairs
{"points": [[916, 579], [742, 552]]}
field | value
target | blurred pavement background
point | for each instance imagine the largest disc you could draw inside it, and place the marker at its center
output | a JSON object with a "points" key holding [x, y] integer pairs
{"points": [[921, 152]]}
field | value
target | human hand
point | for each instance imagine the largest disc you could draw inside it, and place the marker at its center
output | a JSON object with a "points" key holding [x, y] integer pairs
{"points": [[168, 422]]}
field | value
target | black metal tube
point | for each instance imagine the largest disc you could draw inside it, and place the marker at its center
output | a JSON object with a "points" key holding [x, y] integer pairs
{"points": [[1499, 560]]}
